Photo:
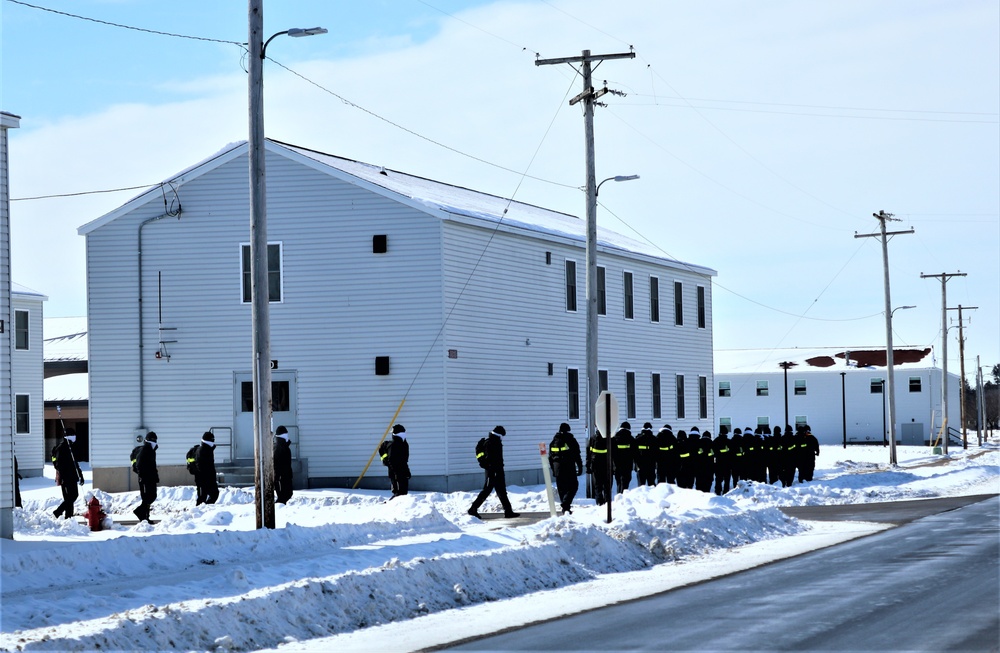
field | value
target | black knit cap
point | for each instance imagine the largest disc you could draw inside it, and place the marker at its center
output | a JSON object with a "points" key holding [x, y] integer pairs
{"points": [[499, 430], [151, 436], [208, 436], [564, 428], [398, 428]]}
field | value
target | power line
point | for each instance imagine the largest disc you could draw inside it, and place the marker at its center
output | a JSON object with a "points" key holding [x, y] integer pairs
{"points": [[129, 27], [83, 192]]}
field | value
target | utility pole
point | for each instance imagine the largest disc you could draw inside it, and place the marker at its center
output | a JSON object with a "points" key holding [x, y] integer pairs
{"points": [[588, 96], [259, 293], [884, 217], [979, 403], [944, 346], [961, 367]]}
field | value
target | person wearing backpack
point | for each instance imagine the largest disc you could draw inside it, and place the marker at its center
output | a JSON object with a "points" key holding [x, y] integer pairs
{"points": [[204, 472], [492, 462], [68, 473], [282, 461], [566, 464], [145, 466], [398, 461]]}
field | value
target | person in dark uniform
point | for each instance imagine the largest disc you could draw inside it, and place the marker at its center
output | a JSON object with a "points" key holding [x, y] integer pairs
{"points": [[399, 462], [566, 464], [791, 457], [205, 479], [495, 479], [282, 462], [623, 456], [645, 455], [808, 451], [706, 462], [685, 465], [68, 473], [666, 459], [149, 476], [723, 461], [597, 466]]}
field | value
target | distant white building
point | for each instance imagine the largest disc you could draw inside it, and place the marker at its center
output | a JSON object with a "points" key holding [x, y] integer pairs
{"points": [[387, 290], [28, 401], [840, 402]]}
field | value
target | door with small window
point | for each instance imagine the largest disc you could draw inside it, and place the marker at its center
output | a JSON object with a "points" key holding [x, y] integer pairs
{"points": [[284, 409]]}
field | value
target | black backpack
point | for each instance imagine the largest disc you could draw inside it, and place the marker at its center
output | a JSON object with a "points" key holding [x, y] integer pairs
{"points": [[383, 452], [192, 459], [481, 453], [134, 457]]}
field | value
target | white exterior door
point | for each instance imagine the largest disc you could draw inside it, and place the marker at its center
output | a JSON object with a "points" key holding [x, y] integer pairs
{"points": [[284, 405]]}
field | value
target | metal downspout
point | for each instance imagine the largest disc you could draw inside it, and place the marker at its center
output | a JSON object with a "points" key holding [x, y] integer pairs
{"points": [[142, 357]]}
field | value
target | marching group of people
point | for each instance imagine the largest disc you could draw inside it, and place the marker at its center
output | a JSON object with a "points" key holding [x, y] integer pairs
{"points": [[695, 460], [690, 459]]}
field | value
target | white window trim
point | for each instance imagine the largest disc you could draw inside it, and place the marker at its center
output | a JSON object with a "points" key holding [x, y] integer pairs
{"points": [[28, 313], [281, 271], [576, 286], [631, 275], [657, 297], [28, 395]]}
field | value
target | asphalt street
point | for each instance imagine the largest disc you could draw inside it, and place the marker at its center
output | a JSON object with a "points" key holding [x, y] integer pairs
{"points": [[932, 584]]}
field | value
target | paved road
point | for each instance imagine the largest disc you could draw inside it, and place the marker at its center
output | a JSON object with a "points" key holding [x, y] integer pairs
{"points": [[932, 584]]}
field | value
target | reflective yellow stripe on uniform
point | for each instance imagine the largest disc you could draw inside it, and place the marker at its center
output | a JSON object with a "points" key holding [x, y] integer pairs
{"points": [[593, 450], [643, 447], [684, 455], [624, 446]]}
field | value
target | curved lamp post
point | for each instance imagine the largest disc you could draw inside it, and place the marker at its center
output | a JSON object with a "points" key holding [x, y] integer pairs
{"points": [[892, 384]]}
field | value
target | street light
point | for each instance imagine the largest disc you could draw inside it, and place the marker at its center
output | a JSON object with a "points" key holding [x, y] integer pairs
{"points": [[786, 365], [889, 363], [597, 191], [593, 383], [260, 311]]}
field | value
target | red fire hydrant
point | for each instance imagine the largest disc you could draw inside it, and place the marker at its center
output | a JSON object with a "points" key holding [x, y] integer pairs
{"points": [[95, 516]]}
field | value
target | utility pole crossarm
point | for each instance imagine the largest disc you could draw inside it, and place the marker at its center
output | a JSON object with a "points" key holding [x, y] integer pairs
{"points": [[586, 57], [888, 233]]}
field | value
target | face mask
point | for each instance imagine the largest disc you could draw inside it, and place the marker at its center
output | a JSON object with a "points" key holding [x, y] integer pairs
{"points": [[154, 444], [71, 438]]}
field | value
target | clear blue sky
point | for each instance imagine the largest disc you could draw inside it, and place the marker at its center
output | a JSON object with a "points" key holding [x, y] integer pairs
{"points": [[765, 135]]}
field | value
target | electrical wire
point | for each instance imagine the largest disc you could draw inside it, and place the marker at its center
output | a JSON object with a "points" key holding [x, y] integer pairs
{"points": [[122, 26]]}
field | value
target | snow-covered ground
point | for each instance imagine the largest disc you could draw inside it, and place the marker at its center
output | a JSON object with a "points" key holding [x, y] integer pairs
{"points": [[346, 570]]}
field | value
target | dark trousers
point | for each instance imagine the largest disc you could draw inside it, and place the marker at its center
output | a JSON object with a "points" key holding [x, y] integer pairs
{"points": [[283, 488], [147, 493], [70, 492], [647, 473], [623, 478], [495, 480], [599, 481], [208, 491], [399, 482], [567, 485], [722, 476]]}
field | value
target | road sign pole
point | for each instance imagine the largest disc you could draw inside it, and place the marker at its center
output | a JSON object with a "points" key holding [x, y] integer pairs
{"points": [[548, 478]]}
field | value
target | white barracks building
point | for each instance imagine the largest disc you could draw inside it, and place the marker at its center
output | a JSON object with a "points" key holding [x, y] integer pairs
{"points": [[386, 290]]}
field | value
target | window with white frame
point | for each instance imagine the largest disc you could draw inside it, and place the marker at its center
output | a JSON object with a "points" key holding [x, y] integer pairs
{"points": [[630, 394], [573, 393], [764, 423], [762, 388], [701, 307], [275, 279], [800, 421], [22, 413], [628, 295], [876, 386], [680, 396], [678, 303], [800, 387], [602, 292], [21, 322], [725, 389], [915, 385], [654, 299], [703, 397], [655, 383], [570, 285], [727, 422], [602, 380]]}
